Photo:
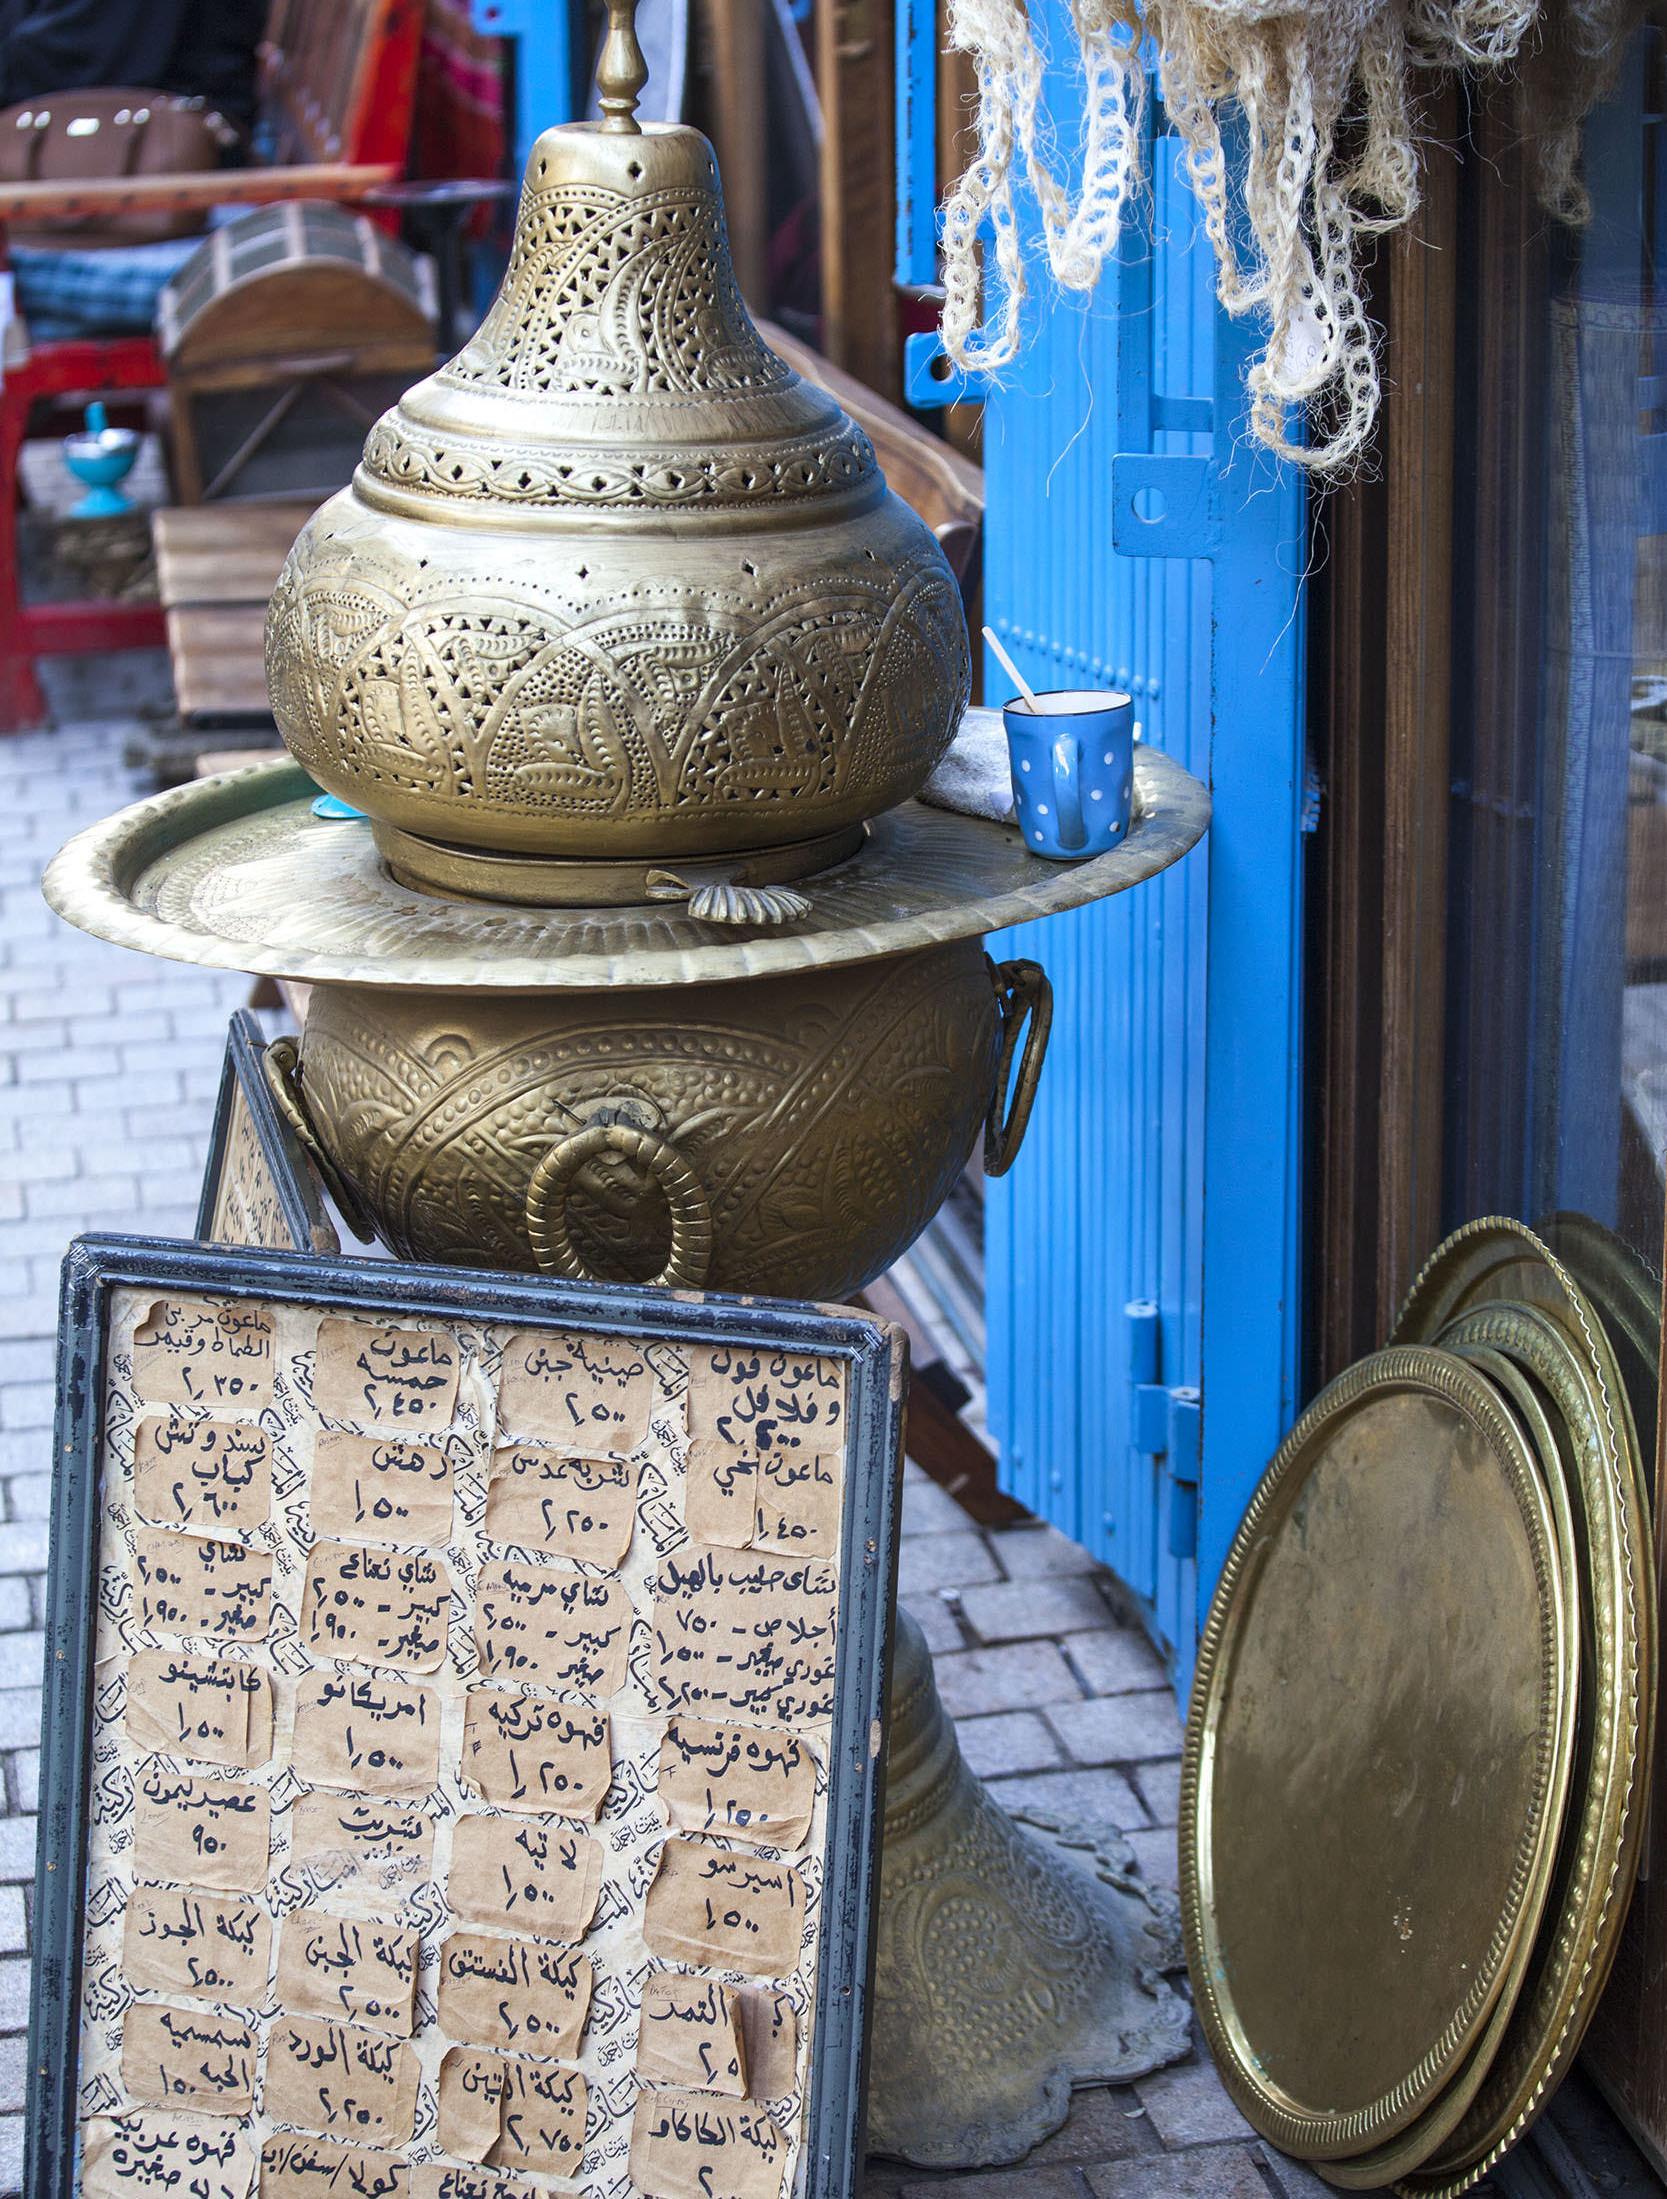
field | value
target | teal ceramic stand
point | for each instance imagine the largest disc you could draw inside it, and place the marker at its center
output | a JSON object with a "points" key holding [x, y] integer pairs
{"points": [[101, 456]]}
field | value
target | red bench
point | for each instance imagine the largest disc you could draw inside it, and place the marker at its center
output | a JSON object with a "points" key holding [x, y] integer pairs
{"points": [[338, 81]]}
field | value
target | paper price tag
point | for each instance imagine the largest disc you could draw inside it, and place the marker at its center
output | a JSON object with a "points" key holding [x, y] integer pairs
{"points": [[374, 1377], [588, 1393], [208, 1945], [215, 1356], [724, 1911], [201, 1473], [524, 1995], [741, 1780]]}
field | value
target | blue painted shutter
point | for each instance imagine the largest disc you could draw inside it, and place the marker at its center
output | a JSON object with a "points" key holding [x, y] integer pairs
{"points": [[1134, 538], [542, 74]]}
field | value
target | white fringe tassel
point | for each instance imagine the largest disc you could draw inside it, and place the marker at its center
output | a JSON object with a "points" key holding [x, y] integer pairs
{"points": [[1309, 77]]}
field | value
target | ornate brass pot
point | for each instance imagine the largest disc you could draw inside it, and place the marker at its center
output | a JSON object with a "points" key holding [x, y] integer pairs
{"points": [[616, 583], [786, 1135]]}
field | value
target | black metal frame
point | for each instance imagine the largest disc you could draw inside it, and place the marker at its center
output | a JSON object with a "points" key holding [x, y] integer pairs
{"points": [[874, 1353], [300, 1194]]}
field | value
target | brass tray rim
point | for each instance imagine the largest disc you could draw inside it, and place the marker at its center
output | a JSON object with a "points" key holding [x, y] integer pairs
{"points": [[1421, 1311], [1622, 1288], [91, 882], [1308, 2135]]}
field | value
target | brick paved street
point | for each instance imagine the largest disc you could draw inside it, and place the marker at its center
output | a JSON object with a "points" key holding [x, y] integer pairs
{"points": [[109, 1064], [108, 1069]]}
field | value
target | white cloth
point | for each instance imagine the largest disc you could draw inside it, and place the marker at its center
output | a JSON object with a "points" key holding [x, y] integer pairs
{"points": [[975, 777]]}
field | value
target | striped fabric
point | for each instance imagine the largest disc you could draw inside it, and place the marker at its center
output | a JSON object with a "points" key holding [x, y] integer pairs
{"points": [[110, 292]]}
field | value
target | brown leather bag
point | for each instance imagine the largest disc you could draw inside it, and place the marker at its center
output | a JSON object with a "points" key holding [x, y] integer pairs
{"points": [[71, 137]]}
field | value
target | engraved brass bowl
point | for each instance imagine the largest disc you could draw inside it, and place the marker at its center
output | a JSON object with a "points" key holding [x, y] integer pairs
{"points": [[789, 1136], [616, 582]]}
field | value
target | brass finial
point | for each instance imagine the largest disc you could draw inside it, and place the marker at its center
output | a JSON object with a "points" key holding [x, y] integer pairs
{"points": [[622, 72]]}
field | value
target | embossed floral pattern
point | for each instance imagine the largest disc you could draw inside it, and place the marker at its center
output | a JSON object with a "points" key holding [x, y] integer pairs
{"points": [[826, 1121]]}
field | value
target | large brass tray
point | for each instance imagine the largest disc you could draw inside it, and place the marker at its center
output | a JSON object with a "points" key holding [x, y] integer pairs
{"points": [[1377, 1755], [1471, 1293], [1521, 1397], [236, 872]]}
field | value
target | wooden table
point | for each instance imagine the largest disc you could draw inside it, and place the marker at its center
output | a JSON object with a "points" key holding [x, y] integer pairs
{"points": [[216, 567]]}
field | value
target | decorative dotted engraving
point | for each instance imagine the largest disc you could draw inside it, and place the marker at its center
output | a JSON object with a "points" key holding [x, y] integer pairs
{"points": [[653, 701], [613, 296], [828, 462]]}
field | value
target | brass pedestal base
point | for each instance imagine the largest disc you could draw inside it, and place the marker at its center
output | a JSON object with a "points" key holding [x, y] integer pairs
{"points": [[1013, 1964]]}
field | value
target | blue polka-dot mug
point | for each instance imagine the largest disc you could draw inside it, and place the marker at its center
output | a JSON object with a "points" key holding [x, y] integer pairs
{"points": [[1073, 770]]}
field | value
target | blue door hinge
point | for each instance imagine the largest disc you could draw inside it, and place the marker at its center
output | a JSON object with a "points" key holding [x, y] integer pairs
{"points": [[1141, 1317], [1185, 1443], [1166, 1424], [1165, 506], [930, 376]]}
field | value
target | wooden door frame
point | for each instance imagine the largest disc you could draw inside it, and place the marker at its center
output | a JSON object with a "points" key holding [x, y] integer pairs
{"points": [[1381, 715], [856, 83]]}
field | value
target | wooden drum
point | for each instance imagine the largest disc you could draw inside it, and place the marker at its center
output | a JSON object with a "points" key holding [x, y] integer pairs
{"points": [[286, 335]]}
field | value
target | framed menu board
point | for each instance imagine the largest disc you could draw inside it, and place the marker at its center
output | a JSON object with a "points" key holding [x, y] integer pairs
{"points": [[259, 1187], [463, 1735]]}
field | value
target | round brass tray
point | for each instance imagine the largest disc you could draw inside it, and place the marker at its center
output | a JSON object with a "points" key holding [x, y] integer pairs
{"points": [[1559, 1342], [1377, 1754], [236, 872], [1413, 2148]]}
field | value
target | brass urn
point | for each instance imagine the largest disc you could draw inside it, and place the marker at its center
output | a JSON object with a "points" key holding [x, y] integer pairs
{"points": [[618, 630], [615, 587]]}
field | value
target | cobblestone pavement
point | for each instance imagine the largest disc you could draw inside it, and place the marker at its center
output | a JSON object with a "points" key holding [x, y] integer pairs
{"points": [[109, 1063]]}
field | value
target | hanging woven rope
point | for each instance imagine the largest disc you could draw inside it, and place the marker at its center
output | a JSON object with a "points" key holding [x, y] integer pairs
{"points": [[1330, 157], [1079, 234]]}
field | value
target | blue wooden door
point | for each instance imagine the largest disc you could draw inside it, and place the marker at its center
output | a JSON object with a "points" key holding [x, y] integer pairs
{"points": [[1142, 1259]]}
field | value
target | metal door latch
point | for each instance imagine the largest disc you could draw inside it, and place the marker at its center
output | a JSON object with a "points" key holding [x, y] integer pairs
{"points": [[1165, 1423]]}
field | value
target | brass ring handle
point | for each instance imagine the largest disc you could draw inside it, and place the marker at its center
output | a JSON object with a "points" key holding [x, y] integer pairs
{"points": [[1025, 1001], [281, 1066], [691, 1212]]}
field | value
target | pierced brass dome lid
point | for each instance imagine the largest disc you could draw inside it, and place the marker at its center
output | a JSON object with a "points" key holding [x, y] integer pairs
{"points": [[618, 371], [616, 584]]}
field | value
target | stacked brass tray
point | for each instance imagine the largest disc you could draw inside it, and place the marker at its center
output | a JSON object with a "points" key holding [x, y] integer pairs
{"points": [[1418, 1746]]}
